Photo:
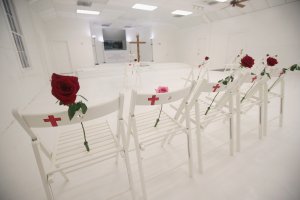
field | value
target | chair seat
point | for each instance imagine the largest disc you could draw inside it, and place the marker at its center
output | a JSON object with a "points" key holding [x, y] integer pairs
{"points": [[249, 103], [148, 134], [213, 115], [70, 149]]}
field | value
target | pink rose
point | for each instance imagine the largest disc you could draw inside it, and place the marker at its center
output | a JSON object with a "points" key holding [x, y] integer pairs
{"points": [[272, 61], [247, 61], [162, 89]]}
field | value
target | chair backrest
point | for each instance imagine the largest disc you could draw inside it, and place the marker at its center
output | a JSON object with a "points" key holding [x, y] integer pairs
{"points": [[257, 81], [140, 99], [204, 86], [44, 120]]}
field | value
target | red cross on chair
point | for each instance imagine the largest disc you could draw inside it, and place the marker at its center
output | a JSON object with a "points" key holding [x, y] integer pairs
{"points": [[216, 87], [52, 120], [254, 78], [153, 99]]}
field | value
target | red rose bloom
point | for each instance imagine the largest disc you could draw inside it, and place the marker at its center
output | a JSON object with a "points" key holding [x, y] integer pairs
{"points": [[206, 58], [247, 61], [64, 88], [271, 61]]}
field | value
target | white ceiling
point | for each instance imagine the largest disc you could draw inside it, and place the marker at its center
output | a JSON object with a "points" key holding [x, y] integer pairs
{"points": [[119, 12]]}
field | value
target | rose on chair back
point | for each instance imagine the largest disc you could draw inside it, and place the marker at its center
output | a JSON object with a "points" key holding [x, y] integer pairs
{"points": [[65, 89]]}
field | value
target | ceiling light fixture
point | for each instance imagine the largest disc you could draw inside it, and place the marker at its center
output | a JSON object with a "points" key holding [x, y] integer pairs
{"points": [[88, 12], [181, 12], [144, 7]]}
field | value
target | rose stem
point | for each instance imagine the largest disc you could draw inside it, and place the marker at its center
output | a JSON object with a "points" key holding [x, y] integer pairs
{"points": [[85, 142], [208, 108], [273, 84], [247, 93], [157, 120]]}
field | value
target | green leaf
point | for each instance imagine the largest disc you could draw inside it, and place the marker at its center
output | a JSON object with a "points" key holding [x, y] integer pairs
{"points": [[78, 106], [72, 111], [269, 75], [83, 108], [225, 82]]}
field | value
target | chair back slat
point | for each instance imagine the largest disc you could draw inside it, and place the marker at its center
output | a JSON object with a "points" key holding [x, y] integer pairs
{"points": [[61, 118], [212, 87], [257, 86], [161, 98]]}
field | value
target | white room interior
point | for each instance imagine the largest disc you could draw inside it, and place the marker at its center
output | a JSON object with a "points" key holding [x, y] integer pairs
{"points": [[59, 40]]}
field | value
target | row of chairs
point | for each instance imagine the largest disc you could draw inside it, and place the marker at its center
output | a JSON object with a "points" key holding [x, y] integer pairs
{"points": [[190, 112]]}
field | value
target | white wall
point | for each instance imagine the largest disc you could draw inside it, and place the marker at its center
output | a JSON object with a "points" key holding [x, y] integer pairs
{"points": [[19, 86], [76, 34], [165, 43], [274, 31]]}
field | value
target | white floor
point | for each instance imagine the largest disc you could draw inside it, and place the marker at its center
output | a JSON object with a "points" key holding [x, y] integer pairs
{"points": [[265, 169]]}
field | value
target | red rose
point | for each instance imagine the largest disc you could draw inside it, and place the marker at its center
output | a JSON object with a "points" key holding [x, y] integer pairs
{"points": [[64, 88], [247, 61], [271, 61], [206, 58]]}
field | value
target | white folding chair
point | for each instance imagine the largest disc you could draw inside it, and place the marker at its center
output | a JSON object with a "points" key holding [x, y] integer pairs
{"points": [[221, 109], [254, 96], [277, 77], [143, 131], [70, 154]]}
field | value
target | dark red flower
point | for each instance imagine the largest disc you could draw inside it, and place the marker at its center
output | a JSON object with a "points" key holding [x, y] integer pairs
{"points": [[206, 58], [64, 88], [271, 61], [247, 61]]}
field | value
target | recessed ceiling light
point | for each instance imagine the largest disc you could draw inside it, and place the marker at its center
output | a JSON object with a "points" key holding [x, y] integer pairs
{"points": [[221, 0], [144, 7], [181, 12], [89, 12]]}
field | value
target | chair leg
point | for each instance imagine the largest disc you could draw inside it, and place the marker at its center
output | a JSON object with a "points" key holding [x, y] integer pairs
{"points": [[189, 142], [199, 137], [129, 174], [199, 148], [140, 164], [282, 85], [260, 131], [231, 125], [231, 137], [35, 146], [265, 109], [238, 122]]}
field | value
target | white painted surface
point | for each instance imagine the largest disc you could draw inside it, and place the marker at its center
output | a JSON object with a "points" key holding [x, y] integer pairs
{"points": [[61, 57], [19, 86], [274, 31], [264, 170], [77, 34]]}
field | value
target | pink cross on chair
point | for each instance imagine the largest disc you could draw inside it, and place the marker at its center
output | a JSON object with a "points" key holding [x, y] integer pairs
{"points": [[153, 99], [216, 87], [52, 120], [254, 78]]}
